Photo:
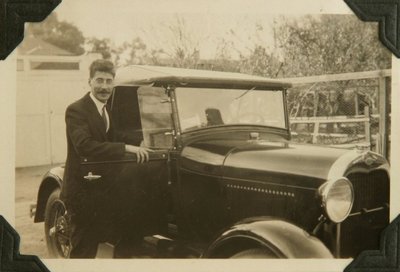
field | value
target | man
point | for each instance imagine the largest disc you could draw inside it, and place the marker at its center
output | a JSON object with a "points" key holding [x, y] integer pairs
{"points": [[89, 135]]}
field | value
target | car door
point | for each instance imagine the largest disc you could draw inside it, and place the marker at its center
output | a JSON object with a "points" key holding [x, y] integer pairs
{"points": [[130, 189]]}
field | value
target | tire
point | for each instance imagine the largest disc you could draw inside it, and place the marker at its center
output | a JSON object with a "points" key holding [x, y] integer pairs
{"points": [[56, 227], [254, 253]]}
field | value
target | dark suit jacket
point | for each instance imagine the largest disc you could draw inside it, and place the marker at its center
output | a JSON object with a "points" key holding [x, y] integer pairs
{"points": [[86, 138]]}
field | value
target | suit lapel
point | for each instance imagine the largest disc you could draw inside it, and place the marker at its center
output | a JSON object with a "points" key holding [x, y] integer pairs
{"points": [[95, 117]]}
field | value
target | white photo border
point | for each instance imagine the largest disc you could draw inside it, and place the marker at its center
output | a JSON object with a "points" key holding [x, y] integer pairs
{"points": [[7, 160]]}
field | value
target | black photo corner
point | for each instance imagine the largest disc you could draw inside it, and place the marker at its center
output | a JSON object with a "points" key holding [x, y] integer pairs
{"points": [[10, 259], [13, 15]]}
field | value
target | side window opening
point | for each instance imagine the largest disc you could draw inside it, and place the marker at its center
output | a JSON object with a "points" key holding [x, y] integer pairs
{"points": [[142, 115], [126, 116], [156, 117]]}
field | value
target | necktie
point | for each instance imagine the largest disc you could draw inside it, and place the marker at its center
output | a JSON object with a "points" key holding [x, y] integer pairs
{"points": [[104, 116]]}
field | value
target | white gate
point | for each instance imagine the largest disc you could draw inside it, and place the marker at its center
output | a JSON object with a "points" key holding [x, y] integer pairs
{"points": [[45, 87]]}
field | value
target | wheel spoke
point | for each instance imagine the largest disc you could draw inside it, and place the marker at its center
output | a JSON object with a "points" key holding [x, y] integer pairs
{"points": [[56, 224], [52, 232]]}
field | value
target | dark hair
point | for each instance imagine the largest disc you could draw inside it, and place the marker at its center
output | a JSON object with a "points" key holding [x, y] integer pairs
{"points": [[101, 65]]}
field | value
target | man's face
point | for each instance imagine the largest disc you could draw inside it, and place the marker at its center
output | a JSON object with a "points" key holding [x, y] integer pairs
{"points": [[102, 84]]}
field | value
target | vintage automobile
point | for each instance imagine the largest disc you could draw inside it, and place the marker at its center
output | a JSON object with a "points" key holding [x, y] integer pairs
{"points": [[224, 179]]}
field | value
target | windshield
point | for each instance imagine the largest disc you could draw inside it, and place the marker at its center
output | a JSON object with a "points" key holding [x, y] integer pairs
{"points": [[202, 107]]}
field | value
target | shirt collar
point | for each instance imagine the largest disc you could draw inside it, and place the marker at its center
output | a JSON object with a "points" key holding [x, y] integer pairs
{"points": [[99, 104]]}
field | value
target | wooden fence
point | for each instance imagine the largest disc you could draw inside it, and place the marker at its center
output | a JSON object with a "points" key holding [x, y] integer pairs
{"points": [[316, 121], [381, 138]]}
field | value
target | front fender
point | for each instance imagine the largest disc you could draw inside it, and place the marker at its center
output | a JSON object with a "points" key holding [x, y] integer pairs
{"points": [[283, 239], [359, 161], [51, 181]]}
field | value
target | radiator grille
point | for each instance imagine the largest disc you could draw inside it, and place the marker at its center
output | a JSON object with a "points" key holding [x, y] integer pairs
{"points": [[362, 230], [371, 190]]}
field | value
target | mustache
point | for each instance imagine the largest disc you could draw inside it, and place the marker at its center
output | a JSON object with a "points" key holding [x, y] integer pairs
{"points": [[104, 91]]}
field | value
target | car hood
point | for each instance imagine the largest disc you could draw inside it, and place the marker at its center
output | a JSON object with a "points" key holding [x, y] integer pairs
{"points": [[291, 159], [252, 160]]}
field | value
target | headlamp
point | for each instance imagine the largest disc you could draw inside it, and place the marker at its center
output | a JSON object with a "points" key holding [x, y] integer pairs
{"points": [[337, 199]]}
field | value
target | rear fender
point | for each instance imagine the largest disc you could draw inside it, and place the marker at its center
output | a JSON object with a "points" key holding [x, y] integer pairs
{"points": [[50, 182], [281, 238]]}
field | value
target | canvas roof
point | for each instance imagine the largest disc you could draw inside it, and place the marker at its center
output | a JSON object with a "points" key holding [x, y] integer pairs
{"points": [[142, 74]]}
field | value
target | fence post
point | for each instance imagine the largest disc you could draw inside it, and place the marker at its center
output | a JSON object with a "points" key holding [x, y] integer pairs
{"points": [[316, 103], [315, 134], [356, 104], [367, 125], [383, 114]]}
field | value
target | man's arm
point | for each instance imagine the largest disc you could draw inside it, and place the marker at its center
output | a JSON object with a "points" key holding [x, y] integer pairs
{"points": [[84, 142], [86, 146], [142, 153], [132, 138]]}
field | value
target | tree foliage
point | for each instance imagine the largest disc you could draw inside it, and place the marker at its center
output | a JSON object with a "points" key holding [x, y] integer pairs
{"points": [[174, 43], [136, 52], [308, 45], [102, 46], [260, 62], [62, 34], [289, 47], [328, 44]]}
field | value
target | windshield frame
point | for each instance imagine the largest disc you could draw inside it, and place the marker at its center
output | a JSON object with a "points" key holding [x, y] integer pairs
{"points": [[244, 125]]}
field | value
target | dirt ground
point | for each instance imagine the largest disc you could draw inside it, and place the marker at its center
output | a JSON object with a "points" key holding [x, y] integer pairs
{"points": [[32, 234], [32, 241]]}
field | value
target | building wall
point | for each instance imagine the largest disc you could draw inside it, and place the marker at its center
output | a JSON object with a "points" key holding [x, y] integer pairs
{"points": [[42, 97]]}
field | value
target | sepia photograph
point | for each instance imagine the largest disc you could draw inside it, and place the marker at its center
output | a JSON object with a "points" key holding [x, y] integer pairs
{"points": [[160, 131]]}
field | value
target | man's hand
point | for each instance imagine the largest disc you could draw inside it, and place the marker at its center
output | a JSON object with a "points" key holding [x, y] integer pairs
{"points": [[142, 153]]}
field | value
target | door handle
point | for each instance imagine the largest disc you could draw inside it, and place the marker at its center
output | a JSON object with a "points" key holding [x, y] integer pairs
{"points": [[91, 177]]}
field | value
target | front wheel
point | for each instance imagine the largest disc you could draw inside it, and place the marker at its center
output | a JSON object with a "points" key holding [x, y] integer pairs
{"points": [[254, 253], [56, 227]]}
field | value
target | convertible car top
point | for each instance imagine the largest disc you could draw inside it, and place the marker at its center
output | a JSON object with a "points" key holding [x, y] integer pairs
{"points": [[142, 74]]}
